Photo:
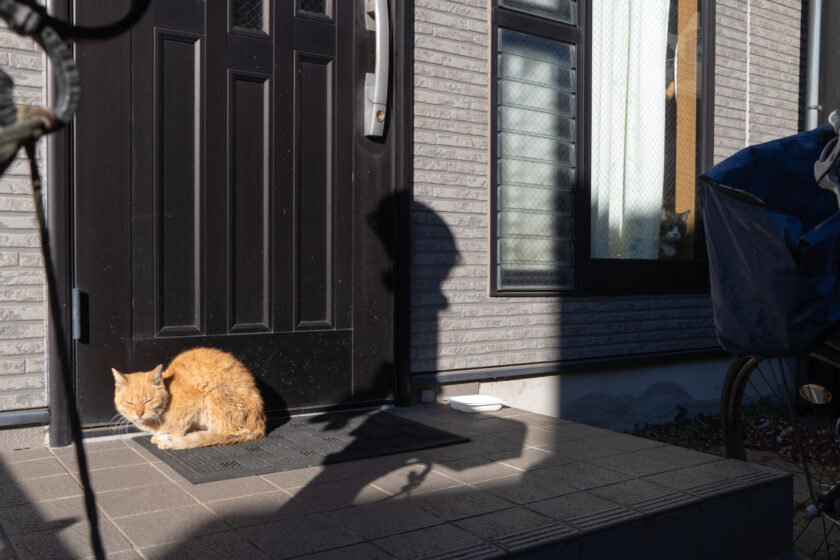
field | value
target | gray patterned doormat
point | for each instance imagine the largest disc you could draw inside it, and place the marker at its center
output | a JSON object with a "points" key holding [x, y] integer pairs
{"points": [[306, 441]]}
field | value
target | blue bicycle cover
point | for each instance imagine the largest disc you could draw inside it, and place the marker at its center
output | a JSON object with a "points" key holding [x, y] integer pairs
{"points": [[772, 236]]}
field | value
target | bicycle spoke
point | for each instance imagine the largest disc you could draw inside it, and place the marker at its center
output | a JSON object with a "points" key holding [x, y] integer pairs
{"points": [[763, 413]]}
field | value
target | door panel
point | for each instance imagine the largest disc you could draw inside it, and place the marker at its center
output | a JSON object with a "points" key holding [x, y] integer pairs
{"points": [[235, 223], [249, 267]]}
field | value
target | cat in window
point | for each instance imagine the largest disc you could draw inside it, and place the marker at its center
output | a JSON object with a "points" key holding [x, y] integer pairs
{"points": [[672, 228]]}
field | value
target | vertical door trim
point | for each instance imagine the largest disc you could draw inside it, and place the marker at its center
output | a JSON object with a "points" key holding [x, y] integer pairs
{"points": [[403, 177], [59, 223]]}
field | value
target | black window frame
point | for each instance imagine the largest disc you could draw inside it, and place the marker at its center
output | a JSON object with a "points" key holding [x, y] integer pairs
{"points": [[600, 276]]}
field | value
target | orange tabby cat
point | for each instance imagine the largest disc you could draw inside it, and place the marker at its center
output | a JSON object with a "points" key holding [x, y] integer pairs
{"points": [[205, 397]]}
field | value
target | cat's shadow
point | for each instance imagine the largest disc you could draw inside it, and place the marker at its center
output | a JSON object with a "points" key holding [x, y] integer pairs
{"points": [[278, 415]]}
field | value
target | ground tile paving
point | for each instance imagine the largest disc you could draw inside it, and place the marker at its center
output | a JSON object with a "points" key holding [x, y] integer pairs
{"points": [[525, 486]]}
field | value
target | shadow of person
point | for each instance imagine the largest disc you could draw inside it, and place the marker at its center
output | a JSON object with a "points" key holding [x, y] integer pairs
{"points": [[321, 507]]}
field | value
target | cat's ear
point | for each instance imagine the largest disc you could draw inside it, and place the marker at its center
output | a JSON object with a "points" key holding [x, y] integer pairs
{"points": [[157, 378], [684, 215], [119, 379]]}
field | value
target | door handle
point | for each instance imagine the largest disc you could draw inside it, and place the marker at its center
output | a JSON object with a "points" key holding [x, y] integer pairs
{"points": [[376, 83]]}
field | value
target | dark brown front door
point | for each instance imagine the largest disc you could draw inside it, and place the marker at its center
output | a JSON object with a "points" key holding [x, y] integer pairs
{"points": [[215, 204]]}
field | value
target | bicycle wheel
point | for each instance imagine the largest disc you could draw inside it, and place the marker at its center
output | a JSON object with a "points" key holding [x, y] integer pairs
{"points": [[775, 413]]}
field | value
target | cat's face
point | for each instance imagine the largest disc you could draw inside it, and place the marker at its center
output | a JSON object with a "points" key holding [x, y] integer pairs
{"points": [[141, 397], [672, 225]]}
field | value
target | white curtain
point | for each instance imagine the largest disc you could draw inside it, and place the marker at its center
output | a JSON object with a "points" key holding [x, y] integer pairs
{"points": [[629, 39]]}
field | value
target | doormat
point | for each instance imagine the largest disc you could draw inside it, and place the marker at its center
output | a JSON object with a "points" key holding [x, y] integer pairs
{"points": [[303, 442]]}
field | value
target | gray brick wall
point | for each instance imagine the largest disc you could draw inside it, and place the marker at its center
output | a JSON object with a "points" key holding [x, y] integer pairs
{"points": [[22, 289], [757, 69], [455, 324]]}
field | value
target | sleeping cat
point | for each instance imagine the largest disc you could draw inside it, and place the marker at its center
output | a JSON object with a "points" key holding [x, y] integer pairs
{"points": [[672, 226], [205, 397]]}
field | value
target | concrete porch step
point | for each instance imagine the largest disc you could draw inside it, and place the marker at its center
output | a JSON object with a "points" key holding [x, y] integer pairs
{"points": [[525, 486], [600, 494]]}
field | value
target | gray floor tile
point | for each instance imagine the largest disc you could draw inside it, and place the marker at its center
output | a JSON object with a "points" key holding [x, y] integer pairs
{"points": [[103, 459], [508, 443], [531, 458], [527, 487], [374, 521], [679, 456], [579, 450], [626, 442], [299, 535], [414, 479], [634, 464], [340, 494], [258, 509], [534, 420], [230, 488], [92, 446], [585, 512], [363, 551], [517, 529], [297, 478], [459, 502], [38, 489], [8, 456], [70, 542], [450, 452], [227, 545], [440, 542], [730, 468], [564, 432], [171, 525], [50, 515], [362, 467], [129, 476], [500, 425], [475, 469], [132, 444], [145, 499], [125, 555], [36, 468], [643, 496], [584, 475], [694, 480]]}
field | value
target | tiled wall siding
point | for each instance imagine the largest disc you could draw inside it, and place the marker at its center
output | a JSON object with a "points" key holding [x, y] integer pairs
{"points": [[455, 324], [22, 289], [757, 72]]}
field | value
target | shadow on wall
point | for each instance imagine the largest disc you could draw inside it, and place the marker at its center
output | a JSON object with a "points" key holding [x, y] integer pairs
{"points": [[433, 255], [661, 402]]}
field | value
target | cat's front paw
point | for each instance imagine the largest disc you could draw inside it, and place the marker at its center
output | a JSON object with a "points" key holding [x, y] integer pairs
{"points": [[168, 441]]}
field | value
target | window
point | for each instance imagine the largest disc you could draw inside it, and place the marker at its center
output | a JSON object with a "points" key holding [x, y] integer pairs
{"points": [[598, 138], [250, 15]]}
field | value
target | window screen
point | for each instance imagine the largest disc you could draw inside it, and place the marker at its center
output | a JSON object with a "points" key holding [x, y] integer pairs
{"points": [[536, 162], [558, 10]]}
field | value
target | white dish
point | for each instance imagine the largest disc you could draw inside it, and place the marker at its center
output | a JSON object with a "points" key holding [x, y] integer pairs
{"points": [[476, 403]]}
